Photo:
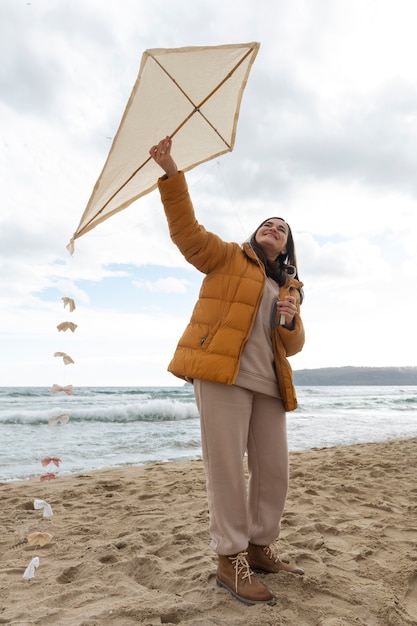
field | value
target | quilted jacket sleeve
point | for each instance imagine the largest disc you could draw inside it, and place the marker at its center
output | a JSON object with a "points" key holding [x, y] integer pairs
{"points": [[292, 341], [201, 248]]}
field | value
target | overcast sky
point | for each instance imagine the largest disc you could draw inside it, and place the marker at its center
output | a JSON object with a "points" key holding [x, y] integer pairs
{"points": [[327, 139]]}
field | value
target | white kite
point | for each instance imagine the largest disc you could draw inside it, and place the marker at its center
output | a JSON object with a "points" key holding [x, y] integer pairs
{"points": [[193, 94]]}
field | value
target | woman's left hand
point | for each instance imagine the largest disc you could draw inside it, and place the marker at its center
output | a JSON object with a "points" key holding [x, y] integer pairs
{"points": [[288, 309]]}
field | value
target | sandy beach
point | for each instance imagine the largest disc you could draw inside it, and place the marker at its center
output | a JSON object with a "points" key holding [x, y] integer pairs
{"points": [[130, 546]]}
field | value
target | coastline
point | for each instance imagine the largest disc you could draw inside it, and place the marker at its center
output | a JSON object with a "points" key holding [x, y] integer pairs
{"points": [[130, 545]]}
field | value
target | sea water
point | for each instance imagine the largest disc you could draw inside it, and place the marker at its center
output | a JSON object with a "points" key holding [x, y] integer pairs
{"points": [[116, 426]]}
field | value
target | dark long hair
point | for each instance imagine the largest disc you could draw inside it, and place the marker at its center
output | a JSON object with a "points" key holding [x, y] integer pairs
{"points": [[285, 265]]}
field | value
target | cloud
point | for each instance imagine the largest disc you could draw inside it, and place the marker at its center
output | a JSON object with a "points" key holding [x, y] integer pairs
{"points": [[27, 84], [326, 138], [352, 261], [166, 285]]}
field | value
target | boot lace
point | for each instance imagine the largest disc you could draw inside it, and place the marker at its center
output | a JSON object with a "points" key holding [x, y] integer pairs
{"points": [[271, 554], [241, 567]]}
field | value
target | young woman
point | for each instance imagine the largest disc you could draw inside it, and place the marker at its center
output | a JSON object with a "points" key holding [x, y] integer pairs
{"points": [[234, 350]]}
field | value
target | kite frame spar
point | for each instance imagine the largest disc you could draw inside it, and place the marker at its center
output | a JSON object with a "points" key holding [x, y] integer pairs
{"points": [[249, 51]]}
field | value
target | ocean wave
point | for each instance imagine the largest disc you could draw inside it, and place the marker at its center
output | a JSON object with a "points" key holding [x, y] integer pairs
{"points": [[86, 392], [160, 410], [113, 426]]}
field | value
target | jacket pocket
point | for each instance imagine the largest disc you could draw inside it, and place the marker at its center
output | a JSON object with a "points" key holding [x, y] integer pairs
{"points": [[207, 338]]}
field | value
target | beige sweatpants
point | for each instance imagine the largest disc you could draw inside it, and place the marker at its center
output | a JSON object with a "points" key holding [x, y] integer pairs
{"points": [[233, 421]]}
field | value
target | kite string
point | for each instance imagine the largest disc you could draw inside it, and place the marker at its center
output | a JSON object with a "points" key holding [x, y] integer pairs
{"points": [[67, 336]]}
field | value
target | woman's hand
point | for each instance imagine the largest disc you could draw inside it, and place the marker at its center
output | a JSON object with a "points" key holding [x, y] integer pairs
{"points": [[161, 154], [288, 309]]}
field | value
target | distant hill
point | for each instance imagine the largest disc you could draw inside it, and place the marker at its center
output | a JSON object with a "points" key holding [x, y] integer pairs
{"points": [[351, 375]]}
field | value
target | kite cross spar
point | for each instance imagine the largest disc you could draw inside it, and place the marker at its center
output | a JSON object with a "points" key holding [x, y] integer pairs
{"points": [[202, 89]]}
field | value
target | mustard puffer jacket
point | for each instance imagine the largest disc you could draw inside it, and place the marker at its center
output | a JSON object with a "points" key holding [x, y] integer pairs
{"points": [[230, 294]]}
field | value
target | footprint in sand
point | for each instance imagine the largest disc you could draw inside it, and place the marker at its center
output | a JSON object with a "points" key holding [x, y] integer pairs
{"points": [[410, 600]]}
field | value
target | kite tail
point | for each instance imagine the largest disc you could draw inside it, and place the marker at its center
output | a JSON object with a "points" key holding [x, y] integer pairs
{"points": [[70, 246]]}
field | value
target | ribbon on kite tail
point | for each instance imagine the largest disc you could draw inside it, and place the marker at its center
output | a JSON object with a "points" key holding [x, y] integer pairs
{"points": [[62, 418], [30, 570], [68, 389], [43, 505]]}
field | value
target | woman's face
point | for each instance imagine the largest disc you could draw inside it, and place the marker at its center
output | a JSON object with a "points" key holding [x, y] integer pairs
{"points": [[272, 237]]}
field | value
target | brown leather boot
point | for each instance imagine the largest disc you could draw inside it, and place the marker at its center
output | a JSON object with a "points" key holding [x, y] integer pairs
{"points": [[235, 575], [264, 559]]}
